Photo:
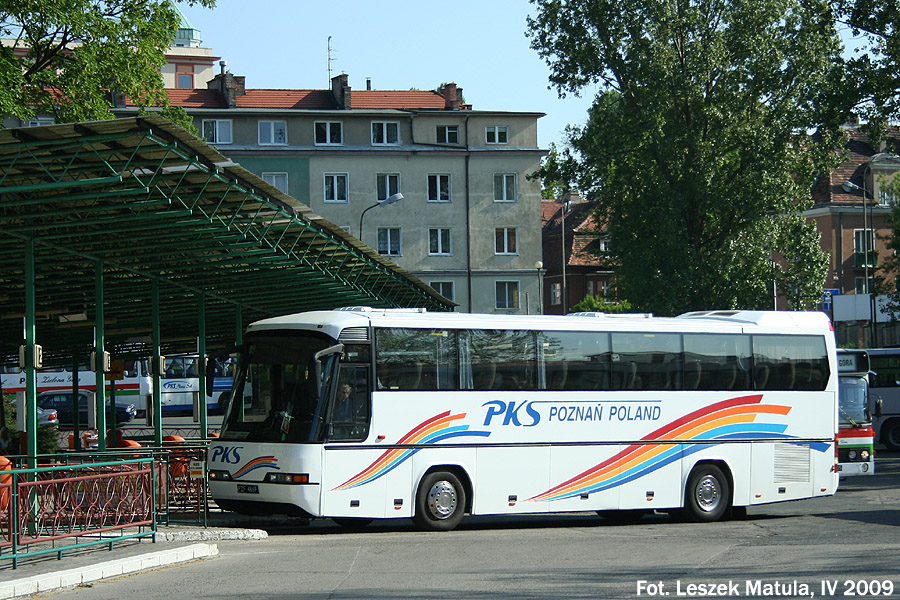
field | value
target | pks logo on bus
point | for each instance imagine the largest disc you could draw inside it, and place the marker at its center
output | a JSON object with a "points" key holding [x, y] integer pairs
{"points": [[226, 454], [177, 386]]}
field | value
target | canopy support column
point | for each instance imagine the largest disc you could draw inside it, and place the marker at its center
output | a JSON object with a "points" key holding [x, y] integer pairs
{"points": [[201, 366], [100, 349], [157, 366], [29, 366]]}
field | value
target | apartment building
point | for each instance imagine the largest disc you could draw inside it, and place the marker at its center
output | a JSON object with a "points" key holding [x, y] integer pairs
{"points": [[851, 209]]}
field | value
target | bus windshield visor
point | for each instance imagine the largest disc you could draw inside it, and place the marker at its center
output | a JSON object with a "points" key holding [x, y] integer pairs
{"points": [[282, 386], [852, 397]]}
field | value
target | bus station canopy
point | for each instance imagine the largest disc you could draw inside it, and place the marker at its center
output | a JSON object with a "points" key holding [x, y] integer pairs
{"points": [[135, 209]]}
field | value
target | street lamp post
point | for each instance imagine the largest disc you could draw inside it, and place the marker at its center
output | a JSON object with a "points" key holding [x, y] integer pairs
{"points": [[389, 200], [539, 265], [565, 303]]}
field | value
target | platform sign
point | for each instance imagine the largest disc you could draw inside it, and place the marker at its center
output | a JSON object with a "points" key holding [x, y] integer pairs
{"points": [[116, 370], [196, 469]]}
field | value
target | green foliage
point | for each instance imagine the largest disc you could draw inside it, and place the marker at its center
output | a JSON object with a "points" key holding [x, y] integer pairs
{"points": [[79, 51], [557, 173], [591, 303], [695, 149], [47, 435]]}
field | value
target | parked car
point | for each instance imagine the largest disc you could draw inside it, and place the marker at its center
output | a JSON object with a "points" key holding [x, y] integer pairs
{"points": [[61, 402], [47, 416]]}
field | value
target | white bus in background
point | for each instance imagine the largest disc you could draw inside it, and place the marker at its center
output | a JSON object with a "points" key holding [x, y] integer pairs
{"points": [[359, 414], [885, 383], [180, 384]]}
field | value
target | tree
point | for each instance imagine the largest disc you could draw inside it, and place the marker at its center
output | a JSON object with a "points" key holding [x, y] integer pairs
{"points": [[591, 303], [74, 54], [695, 148]]}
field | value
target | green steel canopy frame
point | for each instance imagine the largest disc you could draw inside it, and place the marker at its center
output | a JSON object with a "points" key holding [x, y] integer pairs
{"points": [[151, 221]]}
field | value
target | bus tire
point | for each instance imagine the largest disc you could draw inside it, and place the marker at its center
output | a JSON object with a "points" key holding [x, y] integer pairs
{"points": [[440, 502], [890, 434], [707, 495]]}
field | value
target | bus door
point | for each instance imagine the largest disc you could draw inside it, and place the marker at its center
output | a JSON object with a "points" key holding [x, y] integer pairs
{"points": [[345, 492]]}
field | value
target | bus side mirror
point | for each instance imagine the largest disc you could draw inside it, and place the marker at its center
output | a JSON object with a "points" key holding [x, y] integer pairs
{"points": [[879, 407]]}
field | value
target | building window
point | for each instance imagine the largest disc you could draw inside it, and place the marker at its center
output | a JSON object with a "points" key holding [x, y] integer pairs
{"points": [[39, 122], [217, 131], [886, 197], [438, 188], [385, 133], [389, 241], [603, 244], [864, 254], [439, 241], [447, 134], [272, 133], [278, 180], [184, 77], [589, 284], [336, 187], [444, 288], [329, 133], [507, 294], [505, 240], [386, 185], [496, 135], [504, 187], [555, 294], [861, 287]]}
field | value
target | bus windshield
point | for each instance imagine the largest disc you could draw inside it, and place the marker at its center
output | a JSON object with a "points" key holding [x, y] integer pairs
{"points": [[852, 398], [283, 392]]}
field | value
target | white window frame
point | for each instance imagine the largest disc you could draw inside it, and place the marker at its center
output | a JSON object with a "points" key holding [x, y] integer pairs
{"points": [[441, 250], [437, 178], [387, 177], [555, 294], [504, 249], [328, 131], [443, 286], [384, 126], [859, 239], [390, 232], [39, 122], [508, 305], [216, 123], [334, 177], [270, 177], [443, 134], [270, 127], [500, 194], [492, 134]]}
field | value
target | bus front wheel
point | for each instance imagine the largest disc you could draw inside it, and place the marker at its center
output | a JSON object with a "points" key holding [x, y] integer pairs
{"points": [[707, 494], [890, 434], [440, 502]]}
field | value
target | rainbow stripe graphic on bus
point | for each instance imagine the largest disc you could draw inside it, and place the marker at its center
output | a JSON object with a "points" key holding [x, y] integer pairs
{"points": [[436, 429], [727, 420], [261, 462]]}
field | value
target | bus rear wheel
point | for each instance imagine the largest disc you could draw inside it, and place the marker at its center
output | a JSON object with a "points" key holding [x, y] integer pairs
{"points": [[707, 494], [440, 502]]}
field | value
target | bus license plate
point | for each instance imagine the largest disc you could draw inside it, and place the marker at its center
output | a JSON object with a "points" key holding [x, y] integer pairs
{"points": [[247, 489]]}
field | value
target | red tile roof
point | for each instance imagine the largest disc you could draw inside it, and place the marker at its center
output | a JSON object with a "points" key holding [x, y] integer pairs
{"points": [[309, 99], [396, 99]]}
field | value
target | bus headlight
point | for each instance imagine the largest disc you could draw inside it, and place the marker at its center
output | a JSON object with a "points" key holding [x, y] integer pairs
{"points": [[864, 455], [218, 475], [852, 455], [292, 478]]}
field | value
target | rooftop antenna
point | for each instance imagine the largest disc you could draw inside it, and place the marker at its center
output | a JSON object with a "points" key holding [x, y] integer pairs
{"points": [[328, 60]]}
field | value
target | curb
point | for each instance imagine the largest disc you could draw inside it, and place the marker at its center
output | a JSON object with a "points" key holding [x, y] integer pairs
{"points": [[104, 570]]}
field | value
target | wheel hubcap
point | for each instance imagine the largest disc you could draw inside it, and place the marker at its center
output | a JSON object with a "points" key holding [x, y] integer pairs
{"points": [[708, 493], [442, 500]]}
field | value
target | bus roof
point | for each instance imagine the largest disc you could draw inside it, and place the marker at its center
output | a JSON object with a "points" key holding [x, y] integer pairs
{"points": [[332, 322]]}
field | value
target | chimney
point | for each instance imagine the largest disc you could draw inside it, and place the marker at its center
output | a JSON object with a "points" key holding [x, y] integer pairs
{"points": [[451, 96], [368, 84], [571, 195], [341, 90], [229, 85]]}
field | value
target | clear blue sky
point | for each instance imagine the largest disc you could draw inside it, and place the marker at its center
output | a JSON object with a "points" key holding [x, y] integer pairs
{"points": [[400, 44]]}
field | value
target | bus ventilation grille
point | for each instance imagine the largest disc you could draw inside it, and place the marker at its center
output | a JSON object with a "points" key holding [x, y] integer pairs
{"points": [[792, 463], [354, 334]]}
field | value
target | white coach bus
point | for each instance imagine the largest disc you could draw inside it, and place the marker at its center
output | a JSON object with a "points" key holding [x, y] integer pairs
{"points": [[359, 414]]}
